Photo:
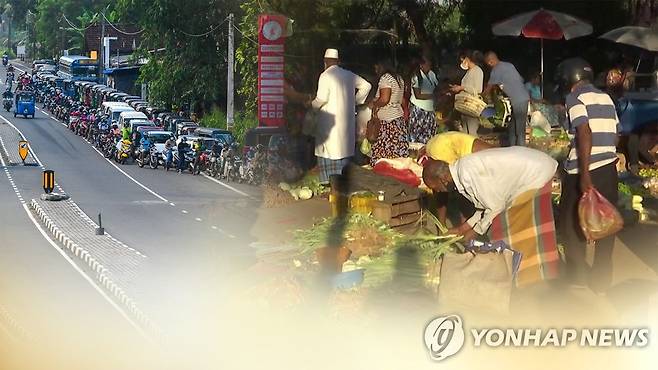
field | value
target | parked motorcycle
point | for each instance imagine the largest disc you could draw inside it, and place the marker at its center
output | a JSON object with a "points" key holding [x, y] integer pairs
{"points": [[156, 158], [168, 158], [144, 157], [7, 103], [124, 151]]}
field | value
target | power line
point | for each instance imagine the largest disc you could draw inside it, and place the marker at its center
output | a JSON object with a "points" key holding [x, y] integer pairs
{"points": [[73, 26], [212, 29], [120, 31]]}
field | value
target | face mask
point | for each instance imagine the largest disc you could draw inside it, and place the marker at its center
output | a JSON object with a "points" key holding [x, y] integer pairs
{"points": [[464, 66]]}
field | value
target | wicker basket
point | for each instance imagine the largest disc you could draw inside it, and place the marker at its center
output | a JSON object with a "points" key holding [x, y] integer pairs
{"points": [[470, 105]]}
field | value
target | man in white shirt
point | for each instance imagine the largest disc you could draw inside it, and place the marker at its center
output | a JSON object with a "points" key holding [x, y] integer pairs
{"points": [[511, 191], [339, 92]]}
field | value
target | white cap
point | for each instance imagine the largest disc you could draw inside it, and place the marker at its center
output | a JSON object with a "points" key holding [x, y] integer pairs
{"points": [[331, 54]]}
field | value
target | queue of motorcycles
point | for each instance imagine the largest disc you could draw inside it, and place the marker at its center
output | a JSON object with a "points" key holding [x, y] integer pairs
{"points": [[226, 163]]}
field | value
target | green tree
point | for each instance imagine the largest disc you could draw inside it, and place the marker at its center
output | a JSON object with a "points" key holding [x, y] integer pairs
{"points": [[185, 43]]}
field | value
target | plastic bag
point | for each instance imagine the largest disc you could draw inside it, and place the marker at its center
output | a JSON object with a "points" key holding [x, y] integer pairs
{"points": [[365, 147], [598, 217]]}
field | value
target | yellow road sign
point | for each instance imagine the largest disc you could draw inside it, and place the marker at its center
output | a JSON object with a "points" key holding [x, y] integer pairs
{"points": [[23, 149], [48, 181]]}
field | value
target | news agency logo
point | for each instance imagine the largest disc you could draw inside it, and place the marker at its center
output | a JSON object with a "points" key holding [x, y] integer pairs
{"points": [[444, 336]]}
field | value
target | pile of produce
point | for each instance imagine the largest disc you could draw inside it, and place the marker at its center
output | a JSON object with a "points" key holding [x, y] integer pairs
{"points": [[556, 145], [383, 253], [651, 180], [649, 172], [361, 234], [629, 198], [304, 189]]}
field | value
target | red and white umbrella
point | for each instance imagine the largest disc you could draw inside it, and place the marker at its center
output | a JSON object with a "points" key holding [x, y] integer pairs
{"points": [[543, 24]]}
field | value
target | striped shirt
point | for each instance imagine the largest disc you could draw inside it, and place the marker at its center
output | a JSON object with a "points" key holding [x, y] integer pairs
{"points": [[393, 109], [588, 105]]}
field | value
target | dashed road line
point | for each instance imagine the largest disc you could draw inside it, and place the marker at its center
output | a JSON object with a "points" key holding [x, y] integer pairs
{"points": [[198, 219], [227, 186], [63, 254], [184, 211]]}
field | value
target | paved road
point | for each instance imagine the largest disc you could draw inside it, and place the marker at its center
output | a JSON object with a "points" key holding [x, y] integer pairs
{"points": [[44, 301], [195, 231]]}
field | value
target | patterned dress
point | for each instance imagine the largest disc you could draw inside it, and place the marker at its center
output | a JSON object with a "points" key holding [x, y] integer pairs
{"points": [[422, 125], [393, 136]]}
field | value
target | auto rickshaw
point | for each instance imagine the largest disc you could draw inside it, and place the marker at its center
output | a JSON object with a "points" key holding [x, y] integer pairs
{"points": [[25, 102]]}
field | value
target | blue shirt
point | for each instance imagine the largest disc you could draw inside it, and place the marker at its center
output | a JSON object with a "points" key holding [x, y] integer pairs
{"points": [[510, 81], [533, 90], [589, 105]]}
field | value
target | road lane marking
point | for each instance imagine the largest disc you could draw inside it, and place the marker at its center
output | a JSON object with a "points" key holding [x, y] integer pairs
{"points": [[67, 258], [198, 219], [85, 276], [226, 186], [184, 211], [131, 178], [23, 136], [172, 204]]}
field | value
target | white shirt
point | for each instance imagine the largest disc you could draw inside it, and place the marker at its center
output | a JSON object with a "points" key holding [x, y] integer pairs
{"points": [[473, 80], [339, 92], [493, 178], [427, 85]]}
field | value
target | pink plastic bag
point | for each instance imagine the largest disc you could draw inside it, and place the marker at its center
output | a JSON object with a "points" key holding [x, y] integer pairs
{"points": [[598, 217]]}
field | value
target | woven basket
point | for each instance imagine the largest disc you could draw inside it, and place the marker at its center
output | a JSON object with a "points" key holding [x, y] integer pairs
{"points": [[470, 105]]}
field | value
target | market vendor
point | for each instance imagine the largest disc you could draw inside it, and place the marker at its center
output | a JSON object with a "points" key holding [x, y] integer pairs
{"points": [[511, 191], [339, 92], [591, 164], [449, 147]]}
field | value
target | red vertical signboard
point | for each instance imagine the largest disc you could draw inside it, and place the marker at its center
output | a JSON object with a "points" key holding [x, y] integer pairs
{"points": [[271, 45]]}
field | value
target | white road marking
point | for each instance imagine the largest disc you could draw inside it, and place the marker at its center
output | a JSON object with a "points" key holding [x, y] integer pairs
{"points": [[226, 185], [184, 211], [87, 278], [131, 178], [34, 154], [67, 258], [213, 227], [172, 204], [198, 219]]}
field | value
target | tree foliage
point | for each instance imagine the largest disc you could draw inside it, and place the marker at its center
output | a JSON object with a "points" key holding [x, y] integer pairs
{"points": [[185, 43]]}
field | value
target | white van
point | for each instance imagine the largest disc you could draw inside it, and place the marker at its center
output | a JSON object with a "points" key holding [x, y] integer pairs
{"points": [[108, 104], [114, 113], [127, 116]]}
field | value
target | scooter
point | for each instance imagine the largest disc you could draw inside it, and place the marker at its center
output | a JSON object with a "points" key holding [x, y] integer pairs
{"points": [[7, 103], [168, 156], [123, 153], [156, 158]]}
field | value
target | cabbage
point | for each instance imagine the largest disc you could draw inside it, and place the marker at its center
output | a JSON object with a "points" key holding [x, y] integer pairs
{"points": [[305, 193], [284, 186]]}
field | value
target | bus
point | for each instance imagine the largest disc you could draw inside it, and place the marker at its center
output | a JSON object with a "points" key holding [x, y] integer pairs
{"points": [[78, 68]]}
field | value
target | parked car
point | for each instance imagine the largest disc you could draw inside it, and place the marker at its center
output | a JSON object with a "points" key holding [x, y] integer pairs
{"points": [[137, 123], [114, 113], [126, 117], [261, 135], [223, 136]]}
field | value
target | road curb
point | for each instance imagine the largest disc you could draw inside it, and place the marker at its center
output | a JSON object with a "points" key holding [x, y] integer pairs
{"points": [[101, 272]]}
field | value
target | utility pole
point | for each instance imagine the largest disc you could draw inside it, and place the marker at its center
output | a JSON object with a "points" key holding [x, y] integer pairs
{"points": [[101, 53], [229, 80]]}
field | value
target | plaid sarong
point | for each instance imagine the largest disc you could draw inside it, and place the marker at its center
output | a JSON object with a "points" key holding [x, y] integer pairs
{"points": [[529, 227], [330, 167]]}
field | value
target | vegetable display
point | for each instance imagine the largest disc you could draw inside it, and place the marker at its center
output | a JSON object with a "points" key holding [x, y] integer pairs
{"points": [[305, 188]]}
